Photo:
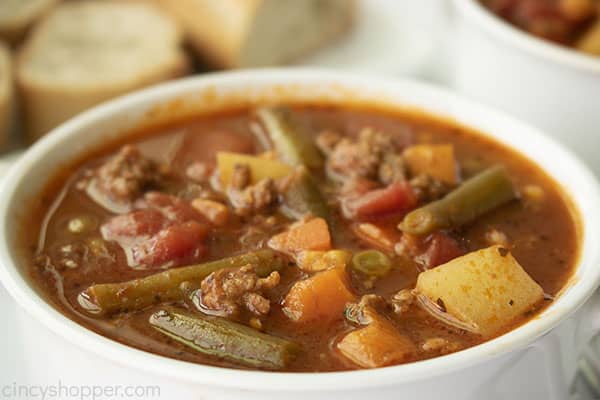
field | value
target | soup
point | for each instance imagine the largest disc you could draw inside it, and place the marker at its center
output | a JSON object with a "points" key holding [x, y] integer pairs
{"points": [[574, 23], [302, 238]]}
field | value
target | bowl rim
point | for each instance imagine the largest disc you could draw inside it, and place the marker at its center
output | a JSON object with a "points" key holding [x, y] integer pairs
{"points": [[528, 43], [188, 372]]}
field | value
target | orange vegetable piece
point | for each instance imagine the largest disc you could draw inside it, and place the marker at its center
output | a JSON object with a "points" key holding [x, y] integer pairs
{"points": [[311, 235], [322, 297], [376, 345]]}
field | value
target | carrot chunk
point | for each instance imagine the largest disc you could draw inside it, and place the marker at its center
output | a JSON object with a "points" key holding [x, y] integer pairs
{"points": [[311, 235], [376, 345], [321, 297]]}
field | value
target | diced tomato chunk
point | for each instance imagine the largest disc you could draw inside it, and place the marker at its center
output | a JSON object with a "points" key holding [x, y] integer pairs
{"points": [[164, 231], [431, 251], [137, 223], [396, 198], [173, 208], [175, 245], [441, 248]]}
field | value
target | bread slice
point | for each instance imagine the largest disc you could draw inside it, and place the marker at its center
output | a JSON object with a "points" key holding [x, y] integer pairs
{"points": [[249, 33], [6, 95], [16, 16], [86, 52]]}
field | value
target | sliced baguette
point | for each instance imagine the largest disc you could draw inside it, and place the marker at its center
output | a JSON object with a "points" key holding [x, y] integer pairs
{"points": [[249, 33], [16, 16], [86, 52], [6, 95]]}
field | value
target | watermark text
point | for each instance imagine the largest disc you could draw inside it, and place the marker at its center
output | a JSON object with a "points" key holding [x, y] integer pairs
{"points": [[63, 391]]}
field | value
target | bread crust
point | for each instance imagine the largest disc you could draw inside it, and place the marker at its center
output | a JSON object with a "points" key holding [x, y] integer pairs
{"points": [[48, 100], [13, 28], [220, 32]]}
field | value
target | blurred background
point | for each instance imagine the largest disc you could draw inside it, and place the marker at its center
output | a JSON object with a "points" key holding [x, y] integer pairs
{"points": [[58, 58], [536, 59]]}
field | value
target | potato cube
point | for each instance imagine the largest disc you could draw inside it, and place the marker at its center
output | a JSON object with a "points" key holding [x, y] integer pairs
{"points": [[437, 161], [486, 288]]}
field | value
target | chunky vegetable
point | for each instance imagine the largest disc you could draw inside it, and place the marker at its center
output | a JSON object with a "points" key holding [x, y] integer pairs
{"points": [[437, 161], [302, 197], [486, 289], [222, 338], [431, 250], [293, 146], [108, 298], [296, 148], [398, 197], [372, 263], [376, 345], [478, 195], [311, 235], [313, 261], [260, 168], [322, 297]]}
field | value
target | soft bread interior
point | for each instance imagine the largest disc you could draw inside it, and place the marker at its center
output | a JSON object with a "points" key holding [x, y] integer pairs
{"points": [[87, 52], [99, 44]]}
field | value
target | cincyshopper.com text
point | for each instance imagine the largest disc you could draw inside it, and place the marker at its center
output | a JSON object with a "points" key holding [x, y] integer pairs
{"points": [[64, 391]]}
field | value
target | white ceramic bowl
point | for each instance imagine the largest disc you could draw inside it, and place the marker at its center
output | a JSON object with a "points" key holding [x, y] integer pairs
{"points": [[553, 87], [542, 349]]}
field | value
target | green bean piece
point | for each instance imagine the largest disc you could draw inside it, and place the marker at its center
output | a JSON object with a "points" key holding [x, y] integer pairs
{"points": [[293, 145], [372, 263], [476, 196], [226, 339], [109, 298], [303, 197]]}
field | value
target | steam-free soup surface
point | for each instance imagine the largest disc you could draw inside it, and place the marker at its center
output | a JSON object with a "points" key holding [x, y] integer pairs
{"points": [[359, 239]]}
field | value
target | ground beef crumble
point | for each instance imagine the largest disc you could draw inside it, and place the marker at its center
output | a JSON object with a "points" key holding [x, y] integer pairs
{"points": [[125, 177], [228, 291], [249, 199], [373, 155]]}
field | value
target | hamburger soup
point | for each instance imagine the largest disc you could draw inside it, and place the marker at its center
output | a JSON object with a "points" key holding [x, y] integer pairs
{"points": [[302, 238]]}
